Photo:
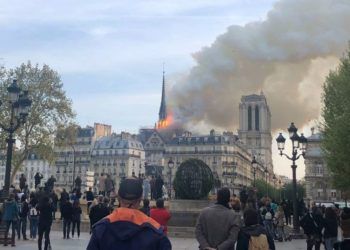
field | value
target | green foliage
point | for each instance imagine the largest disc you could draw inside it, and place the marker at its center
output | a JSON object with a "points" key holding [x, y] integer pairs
{"points": [[193, 180], [336, 120], [285, 192], [50, 109]]}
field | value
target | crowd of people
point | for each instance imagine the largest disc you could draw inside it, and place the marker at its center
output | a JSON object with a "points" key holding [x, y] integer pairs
{"points": [[118, 221]]}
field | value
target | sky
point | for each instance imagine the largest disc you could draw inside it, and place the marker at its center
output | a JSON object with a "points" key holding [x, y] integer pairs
{"points": [[110, 54]]}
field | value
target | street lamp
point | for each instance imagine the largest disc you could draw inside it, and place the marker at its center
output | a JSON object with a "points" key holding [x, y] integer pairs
{"points": [[73, 184], [280, 188], [170, 166], [298, 142], [19, 104], [254, 166]]}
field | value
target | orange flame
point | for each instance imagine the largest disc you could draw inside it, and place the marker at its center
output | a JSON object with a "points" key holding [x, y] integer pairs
{"points": [[166, 122]]}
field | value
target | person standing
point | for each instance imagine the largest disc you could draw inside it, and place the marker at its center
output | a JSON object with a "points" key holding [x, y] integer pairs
{"points": [[109, 185], [312, 224], [331, 228], [161, 215], [146, 188], [127, 227], [153, 188], [51, 183], [218, 226], [45, 210], [54, 202], [159, 187], [101, 185], [33, 216], [22, 182], [145, 208], [280, 224], [37, 179], [253, 235], [23, 214], [98, 211], [89, 199], [67, 212], [78, 182], [76, 218], [10, 217]]}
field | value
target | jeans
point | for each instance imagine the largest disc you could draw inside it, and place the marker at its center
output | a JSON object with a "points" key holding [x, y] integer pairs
{"points": [[66, 228], [44, 229], [33, 226], [76, 223], [269, 228], [14, 226], [22, 227], [329, 242]]}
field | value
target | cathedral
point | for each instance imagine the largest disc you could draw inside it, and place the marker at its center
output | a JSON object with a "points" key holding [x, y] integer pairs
{"points": [[255, 128]]}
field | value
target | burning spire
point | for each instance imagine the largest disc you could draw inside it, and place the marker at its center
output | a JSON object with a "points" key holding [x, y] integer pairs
{"points": [[163, 120]]}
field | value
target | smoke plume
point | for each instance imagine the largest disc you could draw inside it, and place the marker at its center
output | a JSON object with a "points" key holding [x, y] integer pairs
{"points": [[287, 56]]}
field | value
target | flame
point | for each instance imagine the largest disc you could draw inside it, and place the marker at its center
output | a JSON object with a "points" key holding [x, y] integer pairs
{"points": [[166, 122]]}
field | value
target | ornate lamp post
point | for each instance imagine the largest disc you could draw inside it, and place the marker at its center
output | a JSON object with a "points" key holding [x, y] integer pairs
{"points": [[298, 142], [254, 166], [73, 182], [280, 188], [19, 104], [170, 166]]}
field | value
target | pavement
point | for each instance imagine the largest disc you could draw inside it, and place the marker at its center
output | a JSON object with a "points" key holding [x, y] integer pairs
{"points": [[58, 243]]}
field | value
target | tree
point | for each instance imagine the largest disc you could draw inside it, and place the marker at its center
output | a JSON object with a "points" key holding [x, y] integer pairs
{"points": [[335, 125], [50, 109], [193, 180]]}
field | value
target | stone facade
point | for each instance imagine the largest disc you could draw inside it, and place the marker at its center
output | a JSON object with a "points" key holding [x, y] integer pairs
{"points": [[317, 179], [118, 155], [226, 156], [75, 159], [255, 128]]}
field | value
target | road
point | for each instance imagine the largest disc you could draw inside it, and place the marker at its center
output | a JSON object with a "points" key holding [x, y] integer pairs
{"points": [[58, 243]]}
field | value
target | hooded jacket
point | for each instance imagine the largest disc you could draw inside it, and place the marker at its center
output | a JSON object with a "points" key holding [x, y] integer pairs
{"points": [[254, 230], [10, 211], [128, 229]]}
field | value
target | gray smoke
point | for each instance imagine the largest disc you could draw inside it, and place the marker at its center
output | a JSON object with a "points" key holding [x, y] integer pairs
{"points": [[287, 56]]}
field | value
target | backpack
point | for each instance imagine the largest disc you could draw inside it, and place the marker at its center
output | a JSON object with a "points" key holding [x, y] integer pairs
{"points": [[258, 242], [268, 215], [33, 211]]}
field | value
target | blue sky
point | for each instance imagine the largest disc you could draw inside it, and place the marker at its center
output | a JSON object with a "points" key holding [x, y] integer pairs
{"points": [[110, 53]]}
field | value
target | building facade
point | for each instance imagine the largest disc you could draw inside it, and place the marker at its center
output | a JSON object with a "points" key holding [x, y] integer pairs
{"points": [[226, 156], [317, 179], [255, 128], [74, 159], [118, 155]]}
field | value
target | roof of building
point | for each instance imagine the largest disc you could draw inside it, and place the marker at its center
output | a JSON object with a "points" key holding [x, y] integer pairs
{"points": [[314, 152], [86, 132], [315, 137], [120, 141]]}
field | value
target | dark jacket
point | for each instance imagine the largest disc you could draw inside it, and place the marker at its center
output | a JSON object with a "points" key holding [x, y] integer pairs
{"points": [[67, 210], [331, 228], [98, 212], [345, 225], [24, 210], [255, 230], [128, 229], [312, 224], [45, 214], [89, 196], [10, 211], [76, 213]]}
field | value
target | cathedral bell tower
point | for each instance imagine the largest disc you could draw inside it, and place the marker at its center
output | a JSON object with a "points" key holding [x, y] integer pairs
{"points": [[255, 127]]}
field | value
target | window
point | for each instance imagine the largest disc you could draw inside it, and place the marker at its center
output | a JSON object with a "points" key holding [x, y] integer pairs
{"points": [[257, 128], [249, 118]]}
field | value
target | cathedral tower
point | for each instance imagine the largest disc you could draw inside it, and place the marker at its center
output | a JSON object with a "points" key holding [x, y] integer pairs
{"points": [[162, 120], [255, 127]]}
